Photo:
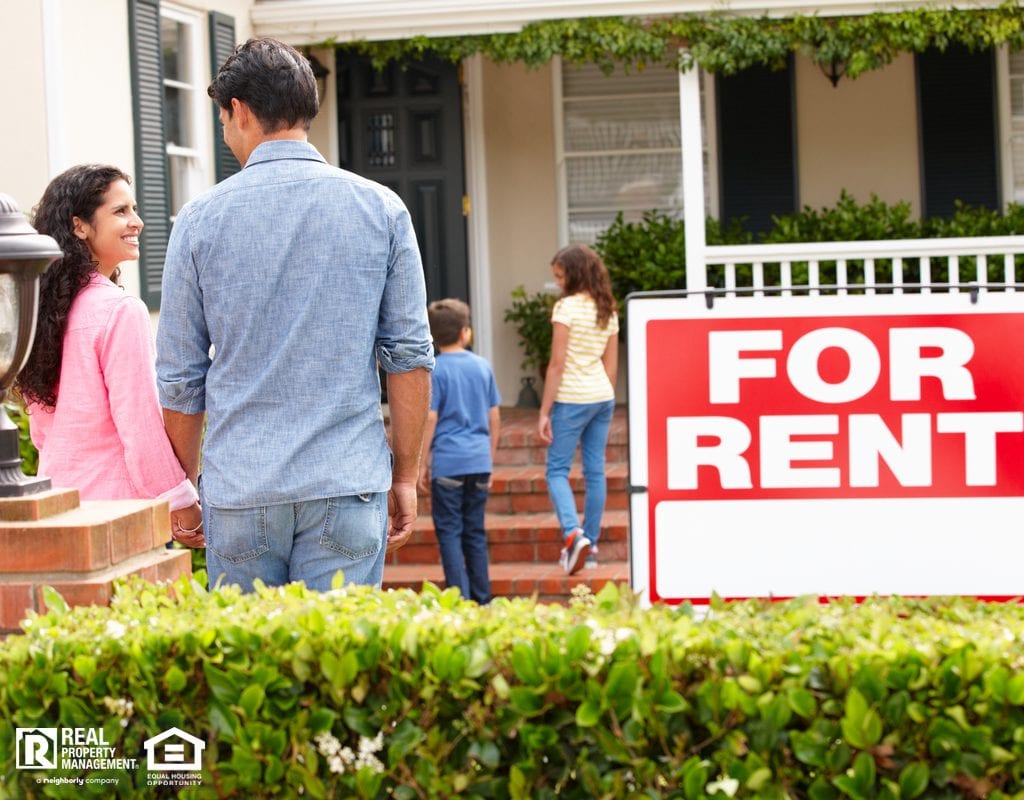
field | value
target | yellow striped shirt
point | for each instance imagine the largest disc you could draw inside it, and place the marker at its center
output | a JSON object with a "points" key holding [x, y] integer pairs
{"points": [[584, 379]]}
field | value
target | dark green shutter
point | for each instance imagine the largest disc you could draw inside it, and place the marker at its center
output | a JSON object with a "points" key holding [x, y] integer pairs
{"points": [[956, 92], [222, 45], [756, 149], [152, 187]]}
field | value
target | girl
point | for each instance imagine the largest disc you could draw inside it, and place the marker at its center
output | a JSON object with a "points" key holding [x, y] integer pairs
{"points": [[579, 394], [90, 382]]}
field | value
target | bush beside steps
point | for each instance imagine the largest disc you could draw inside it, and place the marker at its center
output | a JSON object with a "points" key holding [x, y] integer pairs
{"points": [[362, 693]]}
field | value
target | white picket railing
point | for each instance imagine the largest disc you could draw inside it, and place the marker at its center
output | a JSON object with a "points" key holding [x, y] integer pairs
{"points": [[896, 265]]}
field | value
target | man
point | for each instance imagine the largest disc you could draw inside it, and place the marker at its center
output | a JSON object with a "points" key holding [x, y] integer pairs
{"points": [[284, 288]]}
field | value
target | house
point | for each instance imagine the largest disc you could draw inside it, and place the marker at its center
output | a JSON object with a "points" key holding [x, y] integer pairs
{"points": [[502, 163], [174, 750]]}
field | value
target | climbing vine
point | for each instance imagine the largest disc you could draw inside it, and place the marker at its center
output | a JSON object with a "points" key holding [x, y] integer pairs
{"points": [[722, 42]]}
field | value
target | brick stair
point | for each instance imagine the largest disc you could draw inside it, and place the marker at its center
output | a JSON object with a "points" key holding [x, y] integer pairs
{"points": [[523, 533]]}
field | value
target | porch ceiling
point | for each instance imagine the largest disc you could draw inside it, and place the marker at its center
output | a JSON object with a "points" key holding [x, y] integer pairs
{"points": [[302, 22]]}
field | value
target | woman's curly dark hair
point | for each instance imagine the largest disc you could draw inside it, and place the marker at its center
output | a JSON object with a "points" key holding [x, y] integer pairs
{"points": [[77, 192]]}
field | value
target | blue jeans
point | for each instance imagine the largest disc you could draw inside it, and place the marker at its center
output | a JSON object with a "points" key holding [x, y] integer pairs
{"points": [[308, 541], [585, 424], [457, 506]]}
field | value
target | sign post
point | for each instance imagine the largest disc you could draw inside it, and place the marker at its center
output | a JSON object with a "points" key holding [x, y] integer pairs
{"points": [[830, 445]]}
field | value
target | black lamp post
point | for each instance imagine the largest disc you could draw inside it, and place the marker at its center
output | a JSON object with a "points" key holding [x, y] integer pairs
{"points": [[24, 256]]}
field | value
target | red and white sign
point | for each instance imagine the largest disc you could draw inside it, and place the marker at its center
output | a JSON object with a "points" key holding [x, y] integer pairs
{"points": [[827, 445]]}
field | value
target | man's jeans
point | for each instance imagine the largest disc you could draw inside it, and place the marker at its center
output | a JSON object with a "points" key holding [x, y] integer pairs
{"points": [[308, 541], [457, 506], [587, 424]]}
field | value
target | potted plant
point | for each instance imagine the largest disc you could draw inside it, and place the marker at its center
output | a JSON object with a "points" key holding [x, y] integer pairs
{"points": [[531, 316]]}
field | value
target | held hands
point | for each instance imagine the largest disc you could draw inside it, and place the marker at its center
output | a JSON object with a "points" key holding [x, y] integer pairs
{"points": [[187, 526]]}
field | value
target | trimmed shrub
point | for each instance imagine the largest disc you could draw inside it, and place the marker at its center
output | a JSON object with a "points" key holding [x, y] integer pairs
{"points": [[363, 693]]}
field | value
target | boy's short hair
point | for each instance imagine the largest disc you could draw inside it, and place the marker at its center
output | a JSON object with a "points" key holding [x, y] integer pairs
{"points": [[447, 319]]}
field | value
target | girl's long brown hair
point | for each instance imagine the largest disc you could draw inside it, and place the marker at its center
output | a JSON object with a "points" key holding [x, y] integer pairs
{"points": [[586, 272]]}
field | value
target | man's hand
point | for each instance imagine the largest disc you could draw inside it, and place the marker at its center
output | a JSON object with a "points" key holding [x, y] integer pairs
{"points": [[187, 526], [401, 513]]}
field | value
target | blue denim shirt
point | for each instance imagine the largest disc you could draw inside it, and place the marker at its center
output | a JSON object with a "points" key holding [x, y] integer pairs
{"points": [[284, 285]]}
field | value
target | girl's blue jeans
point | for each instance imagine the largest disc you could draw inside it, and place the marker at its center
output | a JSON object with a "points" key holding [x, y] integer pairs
{"points": [[585, 424]]}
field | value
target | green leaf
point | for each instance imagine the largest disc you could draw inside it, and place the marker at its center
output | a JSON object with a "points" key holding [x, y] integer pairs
{"points": [[588, 714], [1015, 689], [914, 780], [321, 719], [251, 699], [55, 603], [802, 702], [85, 666], [175, 679]]}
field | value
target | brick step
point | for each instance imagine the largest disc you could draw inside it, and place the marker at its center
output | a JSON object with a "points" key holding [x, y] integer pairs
{"points": [[518, 537], [518, 442], [522, 487], [546, 581]]}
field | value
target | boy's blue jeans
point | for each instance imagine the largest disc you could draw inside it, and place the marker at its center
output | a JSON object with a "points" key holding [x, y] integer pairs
{"points": [[457, 506], [587, 424]]}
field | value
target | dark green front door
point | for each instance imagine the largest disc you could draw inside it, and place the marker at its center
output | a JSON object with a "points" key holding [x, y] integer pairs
{"points": [[402, 126]]}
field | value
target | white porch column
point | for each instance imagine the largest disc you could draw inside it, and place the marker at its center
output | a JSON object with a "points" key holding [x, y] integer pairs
{"points": [[53, 78], [485, 311], [693, 177]]}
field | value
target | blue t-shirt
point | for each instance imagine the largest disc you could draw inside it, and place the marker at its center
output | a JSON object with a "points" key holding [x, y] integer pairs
{"points": [[463, 394]]}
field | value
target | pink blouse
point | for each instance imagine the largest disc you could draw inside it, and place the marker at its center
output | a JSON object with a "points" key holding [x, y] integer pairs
{"points": [[106, 435]]}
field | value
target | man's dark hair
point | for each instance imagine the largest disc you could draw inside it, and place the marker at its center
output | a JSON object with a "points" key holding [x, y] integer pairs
{"points": [[447, 319], [273, 79]]}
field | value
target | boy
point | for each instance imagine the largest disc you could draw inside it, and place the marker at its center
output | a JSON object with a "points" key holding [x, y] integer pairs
{"points": [[459, 446]]}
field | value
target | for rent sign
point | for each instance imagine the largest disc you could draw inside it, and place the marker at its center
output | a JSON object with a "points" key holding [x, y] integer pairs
{"points": [[827, 445]]}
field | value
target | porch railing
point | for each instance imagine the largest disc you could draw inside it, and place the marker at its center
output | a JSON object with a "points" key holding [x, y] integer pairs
{"points": [[896, 265]]}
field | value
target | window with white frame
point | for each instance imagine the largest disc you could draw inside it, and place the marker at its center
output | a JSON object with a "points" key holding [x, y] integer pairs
{"points": [[186, 108], [619, 147], [1016, 70]]}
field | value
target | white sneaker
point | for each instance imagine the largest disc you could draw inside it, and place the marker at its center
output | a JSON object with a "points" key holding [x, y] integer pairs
{"points": [[576, 548]]}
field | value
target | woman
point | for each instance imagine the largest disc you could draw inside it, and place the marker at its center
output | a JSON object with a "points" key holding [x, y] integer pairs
{"points": [[579, 394], [90, 382]]}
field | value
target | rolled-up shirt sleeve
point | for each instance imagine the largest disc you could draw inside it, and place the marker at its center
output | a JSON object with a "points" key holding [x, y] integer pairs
{"points": [[403, 333], [183, 339]]}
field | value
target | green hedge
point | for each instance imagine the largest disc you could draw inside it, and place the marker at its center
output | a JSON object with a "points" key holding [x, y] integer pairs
{"points": [[362, 693]]}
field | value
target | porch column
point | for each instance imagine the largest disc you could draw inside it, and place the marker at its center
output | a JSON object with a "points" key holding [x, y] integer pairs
{"points": [[693, 176]]}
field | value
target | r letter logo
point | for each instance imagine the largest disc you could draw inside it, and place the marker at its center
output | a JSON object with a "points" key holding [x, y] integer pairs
{"points": [[36, 748]]}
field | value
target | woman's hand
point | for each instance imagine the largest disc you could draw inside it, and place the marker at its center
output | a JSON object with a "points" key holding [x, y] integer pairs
{"points": [[187, 526], [544, 427]]}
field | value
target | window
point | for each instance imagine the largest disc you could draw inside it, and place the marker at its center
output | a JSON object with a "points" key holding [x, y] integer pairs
{"points": [[620, 147], [186, 108], [1016, 154], [173, 125]]}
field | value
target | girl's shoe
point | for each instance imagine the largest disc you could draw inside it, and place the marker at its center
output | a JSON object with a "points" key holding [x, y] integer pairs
{"points": [[575, 552]]}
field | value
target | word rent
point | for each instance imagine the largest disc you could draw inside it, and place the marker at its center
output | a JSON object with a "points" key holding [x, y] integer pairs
{"points": [[799, 450]]}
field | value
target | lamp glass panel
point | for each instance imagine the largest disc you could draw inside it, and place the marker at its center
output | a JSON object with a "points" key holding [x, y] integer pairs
{"points": [[9, 315]]}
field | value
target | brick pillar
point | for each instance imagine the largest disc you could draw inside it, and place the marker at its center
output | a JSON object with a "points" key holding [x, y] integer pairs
{"points": [[79, 548]]}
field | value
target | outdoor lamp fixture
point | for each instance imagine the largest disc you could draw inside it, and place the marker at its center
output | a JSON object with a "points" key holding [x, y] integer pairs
{"points": [[24, 256], [320, 72], [833, 70]]}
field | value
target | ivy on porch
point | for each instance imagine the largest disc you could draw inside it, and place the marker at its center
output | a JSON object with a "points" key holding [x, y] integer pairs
{"points": [[723, 42]]}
